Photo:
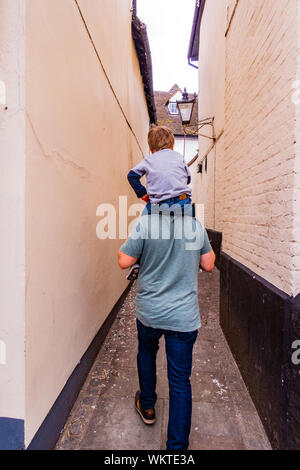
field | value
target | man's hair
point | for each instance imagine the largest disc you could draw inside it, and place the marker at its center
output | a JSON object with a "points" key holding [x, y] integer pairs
{"points": [[160, 138]]}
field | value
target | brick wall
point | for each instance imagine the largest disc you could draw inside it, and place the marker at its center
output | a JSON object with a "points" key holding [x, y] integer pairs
{"points": [[259, 152], [251, 194], [251, 47], [296, 263], [211, 104], [204, 190]]}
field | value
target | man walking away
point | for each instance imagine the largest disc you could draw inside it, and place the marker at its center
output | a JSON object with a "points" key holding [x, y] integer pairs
{"points": [[167, 304]]}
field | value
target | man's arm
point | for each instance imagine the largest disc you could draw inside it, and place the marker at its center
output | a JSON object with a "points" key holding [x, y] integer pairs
{"points": [[132, 249], [207, 261], [126, 261]]}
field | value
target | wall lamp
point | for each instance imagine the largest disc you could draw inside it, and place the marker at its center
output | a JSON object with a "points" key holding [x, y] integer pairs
{"points": [[186, 107]]}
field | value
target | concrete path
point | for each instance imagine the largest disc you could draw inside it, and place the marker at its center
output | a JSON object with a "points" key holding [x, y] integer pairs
{"points": [[104, 418]]}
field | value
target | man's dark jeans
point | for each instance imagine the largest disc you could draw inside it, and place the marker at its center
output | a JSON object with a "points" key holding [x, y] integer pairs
{"points": [[179, 350]]}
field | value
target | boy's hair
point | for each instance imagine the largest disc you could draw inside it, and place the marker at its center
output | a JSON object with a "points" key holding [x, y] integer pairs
{"points": [[160, 138]]}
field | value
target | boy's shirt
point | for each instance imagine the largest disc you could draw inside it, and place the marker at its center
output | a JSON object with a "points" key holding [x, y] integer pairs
{"points": [[167, 176]]}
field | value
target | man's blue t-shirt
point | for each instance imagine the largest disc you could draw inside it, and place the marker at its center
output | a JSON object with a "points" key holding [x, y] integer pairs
{"points": [[170, 247]]}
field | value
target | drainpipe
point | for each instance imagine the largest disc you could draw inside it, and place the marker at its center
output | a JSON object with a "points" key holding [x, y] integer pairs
{"points": [[192, 65], [194, 40]]}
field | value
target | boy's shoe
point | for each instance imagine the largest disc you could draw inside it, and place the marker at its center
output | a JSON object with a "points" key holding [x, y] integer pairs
{"points": [[134, 272], [148, 416]]}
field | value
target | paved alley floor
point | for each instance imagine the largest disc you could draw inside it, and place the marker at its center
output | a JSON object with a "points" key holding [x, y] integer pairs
{"points": [[224, 417]]}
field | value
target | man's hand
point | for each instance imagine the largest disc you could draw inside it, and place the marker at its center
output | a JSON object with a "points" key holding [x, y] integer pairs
{"points": [[207, 262], [145, 198], [126, 261]]}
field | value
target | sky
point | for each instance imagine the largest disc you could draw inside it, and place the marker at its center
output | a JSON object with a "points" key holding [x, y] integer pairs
{"points": [[169, 25]]}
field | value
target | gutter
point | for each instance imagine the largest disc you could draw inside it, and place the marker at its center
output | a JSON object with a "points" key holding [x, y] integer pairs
{"points": [[193, 52], [141, 42], [134, 8], [187, 136]]}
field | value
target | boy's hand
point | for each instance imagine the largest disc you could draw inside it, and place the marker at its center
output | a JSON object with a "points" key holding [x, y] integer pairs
{"points": [[145, 198]]}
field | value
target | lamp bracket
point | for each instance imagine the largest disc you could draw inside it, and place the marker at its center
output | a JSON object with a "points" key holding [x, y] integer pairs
{"points": [[193, 129]]}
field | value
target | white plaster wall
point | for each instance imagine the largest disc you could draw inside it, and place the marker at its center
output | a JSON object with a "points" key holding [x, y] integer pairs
{"points": [[12, 184], [79, 149]]}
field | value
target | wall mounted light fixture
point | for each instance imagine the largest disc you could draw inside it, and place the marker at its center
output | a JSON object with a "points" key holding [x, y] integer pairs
{"points": [[186, 107]]}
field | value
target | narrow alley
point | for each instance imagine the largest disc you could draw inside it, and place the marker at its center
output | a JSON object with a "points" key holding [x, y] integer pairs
{"points": [[224, 417], [108, 107]]}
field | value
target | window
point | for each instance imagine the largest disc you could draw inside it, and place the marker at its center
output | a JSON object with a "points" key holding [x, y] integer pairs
{"points": [[173, 107]]}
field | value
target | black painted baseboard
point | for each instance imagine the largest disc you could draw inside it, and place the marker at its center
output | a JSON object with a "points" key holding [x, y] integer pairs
{"points": [[215, 239], [292, 378], [49, 432], [260, 323]]}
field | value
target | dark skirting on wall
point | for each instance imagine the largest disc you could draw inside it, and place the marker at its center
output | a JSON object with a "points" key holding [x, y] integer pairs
{"points": [[260, 323], [215, 239]]}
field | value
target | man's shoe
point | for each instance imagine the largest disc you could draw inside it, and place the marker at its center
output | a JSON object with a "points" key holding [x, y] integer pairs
{"points": [[133, 273], [148, 416]]}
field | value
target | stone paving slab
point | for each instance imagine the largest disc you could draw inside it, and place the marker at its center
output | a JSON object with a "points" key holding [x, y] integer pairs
{"points": [[224, 417], [114, 425]]}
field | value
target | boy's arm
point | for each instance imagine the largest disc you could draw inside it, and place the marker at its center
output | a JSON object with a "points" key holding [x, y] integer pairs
{"points": [[134, 181]]}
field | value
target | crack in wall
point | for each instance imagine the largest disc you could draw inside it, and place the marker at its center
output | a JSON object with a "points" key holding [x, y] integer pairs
{"points": [[56, 156]]}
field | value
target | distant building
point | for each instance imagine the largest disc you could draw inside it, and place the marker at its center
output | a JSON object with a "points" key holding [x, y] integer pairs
{"points": [[168, 115]]}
